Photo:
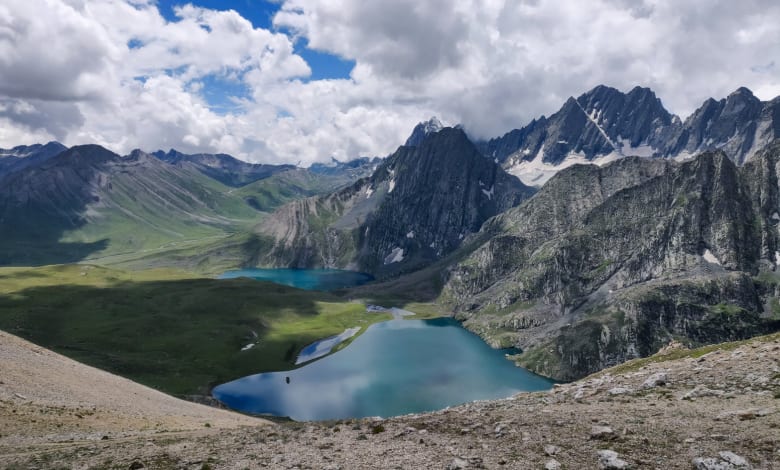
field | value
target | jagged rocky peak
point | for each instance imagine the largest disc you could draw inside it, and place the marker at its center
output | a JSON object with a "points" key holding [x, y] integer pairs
{"points": [[605, 124], [739, 124], [423, 130], [628, 118], [419, 205]]}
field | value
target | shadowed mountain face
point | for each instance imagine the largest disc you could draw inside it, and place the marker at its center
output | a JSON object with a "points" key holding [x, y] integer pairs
{"points": [[417, 206], [606, 264], [23, 156], [605, 124], [221, 167]]}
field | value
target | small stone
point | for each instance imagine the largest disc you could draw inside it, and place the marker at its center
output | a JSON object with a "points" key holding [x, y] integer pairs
{"points": [[727, 461], [609, 460], [734, 459], [655, 380], [619, 391], [136, 465], [552, 464], [551, 450], [457, 464], [603, 433]]}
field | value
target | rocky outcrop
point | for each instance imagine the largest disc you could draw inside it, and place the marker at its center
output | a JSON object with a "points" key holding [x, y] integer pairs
{"points": [[605, 264], [418, 206]]}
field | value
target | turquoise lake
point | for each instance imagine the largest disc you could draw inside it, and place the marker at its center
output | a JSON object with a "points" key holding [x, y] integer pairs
{"points": [[309, 279], [393, 368]]}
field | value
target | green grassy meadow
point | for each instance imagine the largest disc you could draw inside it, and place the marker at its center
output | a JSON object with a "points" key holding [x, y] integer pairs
{"points": [[167, 328]]}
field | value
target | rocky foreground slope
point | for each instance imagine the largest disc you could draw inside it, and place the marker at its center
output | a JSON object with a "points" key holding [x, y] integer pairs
{"points": [[713, 408]]}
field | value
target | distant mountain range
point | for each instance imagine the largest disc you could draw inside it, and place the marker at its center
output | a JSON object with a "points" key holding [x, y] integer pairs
{"points": [[61, 205], [605, 124]]}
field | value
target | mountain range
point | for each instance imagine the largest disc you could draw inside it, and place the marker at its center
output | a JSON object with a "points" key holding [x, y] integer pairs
{"points": [[605, 124], [671, 235]]}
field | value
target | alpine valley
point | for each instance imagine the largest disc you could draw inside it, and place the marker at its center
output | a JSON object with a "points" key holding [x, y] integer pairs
{"points": [[585, 239]]}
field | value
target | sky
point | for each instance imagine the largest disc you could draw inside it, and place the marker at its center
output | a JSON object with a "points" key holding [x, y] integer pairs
{"points": [[299, 81]]}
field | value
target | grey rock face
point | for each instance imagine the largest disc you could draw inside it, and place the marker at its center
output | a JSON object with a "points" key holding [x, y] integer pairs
{"points": [[418, 206], [607, 264], [739, 125], [599, 122]]}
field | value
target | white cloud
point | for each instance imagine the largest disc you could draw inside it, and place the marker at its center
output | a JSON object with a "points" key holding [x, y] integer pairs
{"points": [[117, 73]]}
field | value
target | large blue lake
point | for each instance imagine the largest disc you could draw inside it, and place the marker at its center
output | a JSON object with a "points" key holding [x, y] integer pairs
{"points": [[394, 368], [309, 279]]}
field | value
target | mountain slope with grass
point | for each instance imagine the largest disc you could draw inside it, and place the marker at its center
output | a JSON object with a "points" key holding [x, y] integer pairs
{"points": [[88, 203], [168, 329], [227, 170]]}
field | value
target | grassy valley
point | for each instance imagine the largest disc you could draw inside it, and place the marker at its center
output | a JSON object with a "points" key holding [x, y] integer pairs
{"points": [[167, 328]]}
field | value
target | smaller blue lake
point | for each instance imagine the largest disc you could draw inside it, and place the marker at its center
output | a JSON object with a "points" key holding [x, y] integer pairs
{"points": [[308, 279], [395, 367]]}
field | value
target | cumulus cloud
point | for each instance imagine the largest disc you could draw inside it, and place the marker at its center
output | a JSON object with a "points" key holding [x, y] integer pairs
{"points": [[117, 73]]}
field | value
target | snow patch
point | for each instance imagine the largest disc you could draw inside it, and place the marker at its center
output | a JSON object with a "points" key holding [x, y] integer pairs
{"points": [[639, 151], [536, 172], [410, 234], [489, 194], [369, 191], [248, 347], [777, 258], [775, 216], [684, 155], [392, 186], [710, 258], [395, 256]]}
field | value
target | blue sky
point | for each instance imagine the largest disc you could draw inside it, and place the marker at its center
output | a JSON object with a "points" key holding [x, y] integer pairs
{"points": [[261, 13], [220, 93]]}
